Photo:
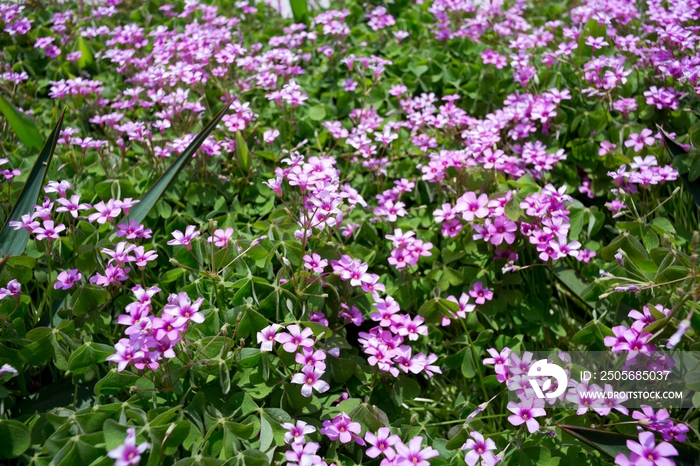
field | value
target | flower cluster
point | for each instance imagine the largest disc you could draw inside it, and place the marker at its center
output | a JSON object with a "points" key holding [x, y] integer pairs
{"points": [[323, 199], [407, 249], [644, 172], [152, 338]]}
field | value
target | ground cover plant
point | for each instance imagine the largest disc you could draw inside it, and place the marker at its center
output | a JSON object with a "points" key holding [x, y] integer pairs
{"points": [[232, 237]]}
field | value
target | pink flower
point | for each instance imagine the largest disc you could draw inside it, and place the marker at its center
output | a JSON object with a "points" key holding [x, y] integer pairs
{"points": [[220, 238], [309, 378], [105, 212], [478, 447], [315, 263], [266, 336], [297, 432], [49, 231], [342, 428], [72, 206], [647, 453], [309, 357], [181, 306], [412, 327], [125, 354], [295, 338], [638, 141], [186, 238], [525, 412], [381, 443], [128, 454], [270, 135], [502, 229], [412, 454], [480, 294], [66, 280]]}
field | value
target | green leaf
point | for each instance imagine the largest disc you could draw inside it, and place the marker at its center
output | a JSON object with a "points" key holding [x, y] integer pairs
{"points": [[255, 458], [405, 388], [300, 10], [571, 281], [677, 151], [148, 201], [88, 298], [242, 153], [15, 439], [13, 241], [317, 112], [22, 124], [114, 382], [81, 359], [86, 57], [628, 243]]}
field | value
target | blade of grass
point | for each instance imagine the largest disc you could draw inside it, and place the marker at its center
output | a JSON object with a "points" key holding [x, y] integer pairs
{"points": [[22, 124], [140, 210], [676, 150], [13, 242]]}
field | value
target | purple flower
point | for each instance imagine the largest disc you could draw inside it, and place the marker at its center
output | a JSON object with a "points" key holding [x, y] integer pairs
{"points": [[638, 141], [413, 455], [184, 239], [266, 337], [480, 294], [525, 412], [309, 378], [13, 289], [72, 206], [381, 443], [342, 428], [295, 338], [351, 314], [315, 263], [479, 448], [7, 369], [105, 212], [647, 453], [412, 327], [303, 454], [133, 230], [126, 354], [181, 306], [221, 237], [128, 453], [270, 135], [165, 327], [49, 231], [297, 432], [66, 280], [309, 357], [502, 230]]}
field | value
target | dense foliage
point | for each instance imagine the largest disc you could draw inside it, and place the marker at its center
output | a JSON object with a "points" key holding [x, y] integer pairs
{"points": [[318, 240]]}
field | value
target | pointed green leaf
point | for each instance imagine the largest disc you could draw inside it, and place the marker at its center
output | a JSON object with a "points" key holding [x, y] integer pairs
{"points": [[300, 10], [22, 124], [86, 57], [242, 153], [148, 201], [676, 150], [13, 242]]}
